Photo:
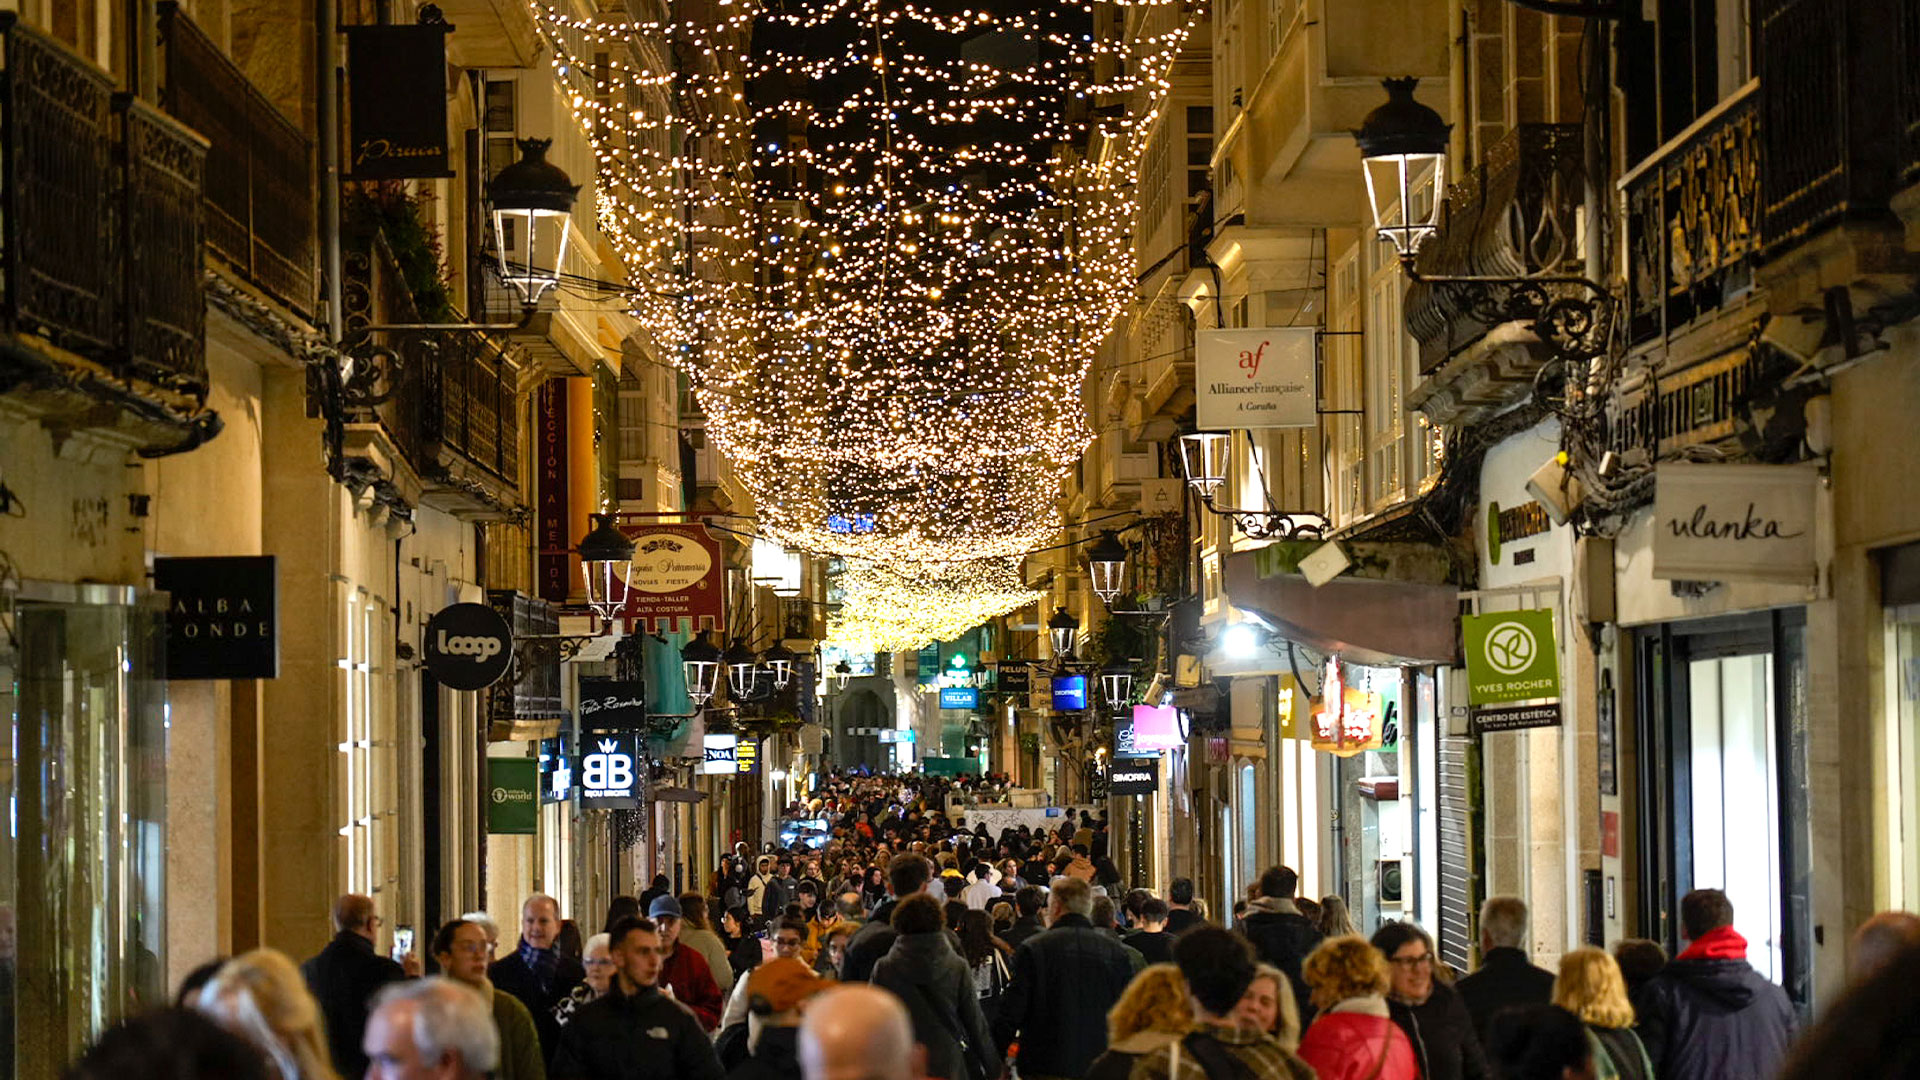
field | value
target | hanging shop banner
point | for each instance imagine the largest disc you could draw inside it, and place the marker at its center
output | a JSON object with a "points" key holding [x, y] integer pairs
{"points": [[1013, 677], [1516, 717], [1735, 522], [1349, 719], [1155, 728], [397, 102], [1137, 776], [611, 774], [1255, 378], [556, 769], [612, 704], [746, 755], [513, 801], [468, 646], [927, 663], [1511, 656], [678, 581], [223, 616], [959, 697], [554, 582], [722, 755]]}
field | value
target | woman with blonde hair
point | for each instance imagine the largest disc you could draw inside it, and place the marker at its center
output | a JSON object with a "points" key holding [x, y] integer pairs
{"points": [[1269, 1006], [261, 997], [1353, 1037], [1153, 1012], [1591, 987]]}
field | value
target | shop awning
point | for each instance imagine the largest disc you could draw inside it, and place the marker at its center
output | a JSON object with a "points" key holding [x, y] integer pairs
{"points": [[1365, 621]]}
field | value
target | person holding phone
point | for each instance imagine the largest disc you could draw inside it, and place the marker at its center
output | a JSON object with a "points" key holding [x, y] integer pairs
{"points": [[347, 973]]}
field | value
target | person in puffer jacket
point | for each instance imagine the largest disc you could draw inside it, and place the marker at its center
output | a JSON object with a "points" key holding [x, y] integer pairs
{"points": [[1352, 1037], [1709, 1014]]}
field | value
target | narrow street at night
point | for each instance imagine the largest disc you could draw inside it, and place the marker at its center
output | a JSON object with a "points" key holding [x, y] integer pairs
{"points": [[960, 539]]}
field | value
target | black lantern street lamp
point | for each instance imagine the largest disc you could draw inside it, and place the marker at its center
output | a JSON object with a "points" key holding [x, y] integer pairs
{"points": [[1403, 150], [1116, 683], [842, 672], [1063, 629], [1203, 458], [532, 210], [700, 662], [1107, 566], [780, 662], [742, 665], [606, 566]]}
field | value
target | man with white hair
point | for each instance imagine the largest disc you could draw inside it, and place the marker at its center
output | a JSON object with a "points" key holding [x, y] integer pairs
{"points": [[1506, 976], [1065, 979], [429, 1029], [859, 1032]]}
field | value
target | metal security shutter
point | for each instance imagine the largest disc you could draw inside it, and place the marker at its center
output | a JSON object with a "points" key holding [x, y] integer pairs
{"points": [[1459, 875]]}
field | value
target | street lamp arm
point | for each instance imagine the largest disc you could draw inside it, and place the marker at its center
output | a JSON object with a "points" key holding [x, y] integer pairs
{"points": [[527, 312], [1575, 8], [1573, 325]]}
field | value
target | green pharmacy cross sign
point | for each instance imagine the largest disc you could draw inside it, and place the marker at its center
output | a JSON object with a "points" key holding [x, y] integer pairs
{"points": [[1511, 656]]}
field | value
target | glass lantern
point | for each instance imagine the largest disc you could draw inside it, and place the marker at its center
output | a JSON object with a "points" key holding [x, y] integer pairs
{"points": [[1203, 457], [532, 211], [1403, 154], [606, 567]]}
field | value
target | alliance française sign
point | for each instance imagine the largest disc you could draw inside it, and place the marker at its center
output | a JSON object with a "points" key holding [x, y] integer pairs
{"points": [[1255, 378]]}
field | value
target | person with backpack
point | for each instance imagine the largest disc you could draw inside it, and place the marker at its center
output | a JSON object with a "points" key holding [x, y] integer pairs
{"points": [[1218, 967], [936, 985]]}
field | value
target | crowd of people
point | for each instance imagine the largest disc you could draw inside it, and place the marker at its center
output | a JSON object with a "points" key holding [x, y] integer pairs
{"points": [[907, 947]]}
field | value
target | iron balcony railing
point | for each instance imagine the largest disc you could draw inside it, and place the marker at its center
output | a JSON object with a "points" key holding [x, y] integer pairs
{"points": [[1693, 221], [260, 185], [100, 248]]}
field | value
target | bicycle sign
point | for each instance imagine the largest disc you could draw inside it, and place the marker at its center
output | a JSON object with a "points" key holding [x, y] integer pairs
{"points": [[1511, 656]]}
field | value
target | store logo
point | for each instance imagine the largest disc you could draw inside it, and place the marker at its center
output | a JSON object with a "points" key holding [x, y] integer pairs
{"points": [[1511, 648], [504, 795], [499, 794], [608, 770], [481, 649]]}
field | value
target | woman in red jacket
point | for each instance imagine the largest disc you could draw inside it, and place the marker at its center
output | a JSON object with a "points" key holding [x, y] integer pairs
{"points": [[1353, 1038]]}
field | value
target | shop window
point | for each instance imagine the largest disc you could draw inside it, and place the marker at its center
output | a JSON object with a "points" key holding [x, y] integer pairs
{"points": [[1902, 690], [1736, 813]]}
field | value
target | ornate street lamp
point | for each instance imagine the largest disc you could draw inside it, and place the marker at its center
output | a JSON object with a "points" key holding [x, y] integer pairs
{"points": [[1063, 629], [1403, 151], [700, 662], [1107, 566], [780, 661], [742, 665], [606, 566], [532, 209], [1116, 684], [842, 672], [1203, 458]]}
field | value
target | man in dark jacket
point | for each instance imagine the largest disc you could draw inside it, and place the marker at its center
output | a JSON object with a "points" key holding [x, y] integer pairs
{"points": [[1064, 982], [635, 1032], [536, 972], [1708, 1013], [1506, 977], [1180, 914], [1027, 901], [1152, 940], [1281, 935], [1429, 1011], [907, 874], [344, 977]]}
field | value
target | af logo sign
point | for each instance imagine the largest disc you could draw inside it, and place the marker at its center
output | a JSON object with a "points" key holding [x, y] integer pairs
{"points": [[611, 773]]}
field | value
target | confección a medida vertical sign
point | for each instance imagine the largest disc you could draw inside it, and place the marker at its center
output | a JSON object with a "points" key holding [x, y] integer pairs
{"points": [[397, 102]]}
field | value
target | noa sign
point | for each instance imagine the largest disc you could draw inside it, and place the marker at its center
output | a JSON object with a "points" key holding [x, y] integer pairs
{"points": [[468, 646]]}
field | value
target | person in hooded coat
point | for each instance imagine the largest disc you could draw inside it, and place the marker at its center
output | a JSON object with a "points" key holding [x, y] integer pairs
{"points": [[1709, 1014]]}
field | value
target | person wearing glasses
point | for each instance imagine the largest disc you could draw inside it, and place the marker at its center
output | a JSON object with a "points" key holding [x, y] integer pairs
{"points": [[460, 948], [789, 937], [1432, 1014], [597, 958]]}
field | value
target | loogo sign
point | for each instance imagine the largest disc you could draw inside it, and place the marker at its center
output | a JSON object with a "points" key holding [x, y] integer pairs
{"points": [[468, 646], [1511, 656]]}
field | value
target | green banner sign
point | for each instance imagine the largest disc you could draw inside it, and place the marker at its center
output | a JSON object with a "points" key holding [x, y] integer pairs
{"points": [[513, 796], [1511, 656]]}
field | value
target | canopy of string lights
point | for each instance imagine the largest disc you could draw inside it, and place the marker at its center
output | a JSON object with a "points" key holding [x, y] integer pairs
{"points": [[884, 239]]}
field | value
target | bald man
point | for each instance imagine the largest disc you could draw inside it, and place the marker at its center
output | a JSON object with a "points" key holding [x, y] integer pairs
{"points": [[346, 974], [1880, 939], [536, 972], [859, 1032]]}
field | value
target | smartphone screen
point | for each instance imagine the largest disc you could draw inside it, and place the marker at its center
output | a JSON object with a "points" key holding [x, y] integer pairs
{"points": [[402, 941]]}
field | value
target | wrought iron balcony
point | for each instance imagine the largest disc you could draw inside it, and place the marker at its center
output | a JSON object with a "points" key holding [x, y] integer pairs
{"points": [[1693, 217], [102, 234], [259, 189]]}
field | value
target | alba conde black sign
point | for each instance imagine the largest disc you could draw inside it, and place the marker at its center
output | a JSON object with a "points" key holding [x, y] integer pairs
{"points": [[1134, 776], [468, 646], [223, 621], [612, 704], [397, 107]]}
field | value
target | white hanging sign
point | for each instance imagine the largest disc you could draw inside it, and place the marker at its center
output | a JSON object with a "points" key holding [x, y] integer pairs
{"points": [[1735, 522], [1255, 378]]}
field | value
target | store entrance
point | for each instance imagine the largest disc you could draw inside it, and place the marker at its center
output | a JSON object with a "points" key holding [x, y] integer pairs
{"points": [[1723, 738]]}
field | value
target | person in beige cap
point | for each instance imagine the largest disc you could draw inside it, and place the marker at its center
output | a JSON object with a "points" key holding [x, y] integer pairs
{"points": [[776, 991]]}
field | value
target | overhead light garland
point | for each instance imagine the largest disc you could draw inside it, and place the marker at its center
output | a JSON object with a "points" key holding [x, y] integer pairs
{"points": [[884, 242], [883, 610]]}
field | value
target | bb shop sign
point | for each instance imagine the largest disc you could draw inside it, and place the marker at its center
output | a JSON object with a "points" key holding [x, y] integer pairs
{"points": [[1255, 378]]}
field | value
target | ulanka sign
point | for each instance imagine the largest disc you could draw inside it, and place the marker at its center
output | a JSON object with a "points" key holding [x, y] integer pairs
{"points": [[1255, 378], [1735, 522]]}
